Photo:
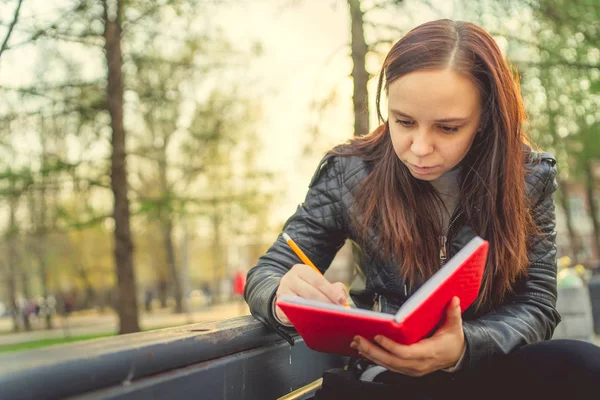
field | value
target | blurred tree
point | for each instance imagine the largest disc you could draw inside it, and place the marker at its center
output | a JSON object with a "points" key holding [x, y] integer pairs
{"points": [[37, 196], [119, 32], [555, 45], [150, 255], [360, 76], [220, 154], [13, 260], [99, 24], [104, 24], [554, 141], [363, 15], [14, 183], [369, 37], [86, 258], [112, 19], [158, 86], [11, 27], [568, 42], [166, 84]]}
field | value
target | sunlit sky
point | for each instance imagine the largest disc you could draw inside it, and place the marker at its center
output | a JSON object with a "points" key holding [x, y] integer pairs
{"points": [[304, 58]]}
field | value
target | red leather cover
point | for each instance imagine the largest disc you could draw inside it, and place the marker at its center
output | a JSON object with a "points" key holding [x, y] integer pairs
{"points": [[464, 283], [332, 330]]}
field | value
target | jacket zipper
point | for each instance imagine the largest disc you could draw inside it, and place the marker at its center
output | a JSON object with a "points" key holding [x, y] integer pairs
{"points": [[444, 240], [443, 255], [376, 303]]}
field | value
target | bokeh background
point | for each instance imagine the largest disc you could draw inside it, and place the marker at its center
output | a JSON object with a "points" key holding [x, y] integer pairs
{"points": [[151, 150]]}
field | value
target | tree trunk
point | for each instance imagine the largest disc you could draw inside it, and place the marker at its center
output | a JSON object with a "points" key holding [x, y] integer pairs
{"points": [[589, 190], [12, 258], [42, 234], [45, 292], [89, 294], [185, 269], [360, 76], [217, 255], [127, 299], [170, 252], [167, 228], [41, 256], [162, 293], [89, 298], [574, 239], [27, 295]]}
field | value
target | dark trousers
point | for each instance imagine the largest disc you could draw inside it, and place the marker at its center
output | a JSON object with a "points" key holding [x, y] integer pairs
{"points": [[555, 369]]}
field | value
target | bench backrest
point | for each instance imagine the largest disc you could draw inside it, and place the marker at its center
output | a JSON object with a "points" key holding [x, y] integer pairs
{"points": [[237, 358]]}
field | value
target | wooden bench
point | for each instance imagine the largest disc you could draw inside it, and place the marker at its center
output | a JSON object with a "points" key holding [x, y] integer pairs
{"points": [[232, 359]]}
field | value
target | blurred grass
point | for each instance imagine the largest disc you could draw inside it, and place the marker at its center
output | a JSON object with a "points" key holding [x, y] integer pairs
{"points": [[37, 344], [49, 342]]}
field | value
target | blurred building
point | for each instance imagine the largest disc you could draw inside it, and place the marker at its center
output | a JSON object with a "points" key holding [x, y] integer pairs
{"points": [[582, 226]]}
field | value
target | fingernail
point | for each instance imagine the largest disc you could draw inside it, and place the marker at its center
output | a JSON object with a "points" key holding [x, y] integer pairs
{"points": [[377, 338]]}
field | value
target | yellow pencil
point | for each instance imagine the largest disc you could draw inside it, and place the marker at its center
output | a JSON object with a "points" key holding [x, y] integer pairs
{"points": [[301, 255]]}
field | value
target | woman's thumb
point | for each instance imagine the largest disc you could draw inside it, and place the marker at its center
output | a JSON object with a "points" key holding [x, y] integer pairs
{"points": [[453, 313]]}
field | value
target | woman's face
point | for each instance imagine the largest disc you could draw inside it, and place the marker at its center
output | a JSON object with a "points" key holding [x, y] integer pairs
{"points": [[433, 117]]}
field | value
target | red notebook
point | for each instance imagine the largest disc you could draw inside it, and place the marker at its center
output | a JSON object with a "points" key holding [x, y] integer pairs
{"points": [[330, 328]]}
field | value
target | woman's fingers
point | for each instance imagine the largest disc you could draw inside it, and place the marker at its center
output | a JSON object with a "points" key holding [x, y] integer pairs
{"points": [[306, 290], [334, 292]]}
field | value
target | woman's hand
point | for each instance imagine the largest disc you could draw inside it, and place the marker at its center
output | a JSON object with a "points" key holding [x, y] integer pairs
{"points": [[442, 350], [303, 281]]}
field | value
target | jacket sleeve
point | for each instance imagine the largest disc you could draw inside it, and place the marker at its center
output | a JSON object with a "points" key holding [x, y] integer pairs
{"points": [[530, 315], [317, 227]]}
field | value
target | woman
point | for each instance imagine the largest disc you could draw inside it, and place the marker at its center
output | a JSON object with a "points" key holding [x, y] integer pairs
{"points": [[450, 162]]}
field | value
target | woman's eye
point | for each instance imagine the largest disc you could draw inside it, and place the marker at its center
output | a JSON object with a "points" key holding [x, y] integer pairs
{"points": [[448, 129], [404, 122]]}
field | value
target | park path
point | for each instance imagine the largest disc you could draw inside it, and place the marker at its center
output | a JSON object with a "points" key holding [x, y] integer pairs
{"points": [[91, 322]]}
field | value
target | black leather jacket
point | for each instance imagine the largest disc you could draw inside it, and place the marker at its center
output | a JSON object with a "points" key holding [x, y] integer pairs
{"points": [[320, 227]]}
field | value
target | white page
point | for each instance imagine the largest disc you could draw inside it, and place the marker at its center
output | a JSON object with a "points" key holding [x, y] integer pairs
{"points": [[335, 307], [440, 276]]}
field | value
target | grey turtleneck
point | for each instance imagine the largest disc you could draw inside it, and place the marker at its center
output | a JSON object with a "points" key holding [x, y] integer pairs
{"points": [[447, 187]]}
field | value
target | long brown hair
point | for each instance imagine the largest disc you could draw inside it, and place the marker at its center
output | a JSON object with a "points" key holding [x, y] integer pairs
{"points": [[492, 193]]}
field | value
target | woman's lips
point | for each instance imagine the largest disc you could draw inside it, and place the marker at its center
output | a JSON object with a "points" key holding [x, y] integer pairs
{"points": [[422, 170]]}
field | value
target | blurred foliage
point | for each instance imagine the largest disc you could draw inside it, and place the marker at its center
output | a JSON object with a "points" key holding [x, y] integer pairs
{"points": [[191, 156]]}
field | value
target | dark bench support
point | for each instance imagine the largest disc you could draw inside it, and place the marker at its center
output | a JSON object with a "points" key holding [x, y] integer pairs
{"points": [[233, 359]]}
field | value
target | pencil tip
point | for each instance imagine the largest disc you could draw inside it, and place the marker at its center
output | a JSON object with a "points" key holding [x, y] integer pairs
{"points": [[286, 237]]}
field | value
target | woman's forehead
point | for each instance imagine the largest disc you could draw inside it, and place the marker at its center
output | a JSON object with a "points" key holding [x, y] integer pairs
{"points": [[434, 94]]}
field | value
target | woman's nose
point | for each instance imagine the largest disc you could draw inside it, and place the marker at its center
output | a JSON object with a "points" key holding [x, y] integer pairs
{"points": [[422, 144]]}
